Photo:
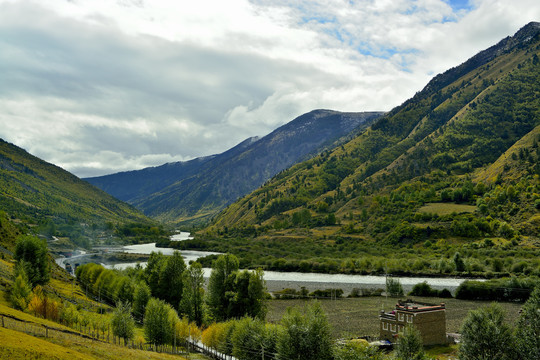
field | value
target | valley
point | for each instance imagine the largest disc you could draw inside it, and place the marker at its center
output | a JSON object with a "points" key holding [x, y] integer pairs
{"points": [[319, 225]]}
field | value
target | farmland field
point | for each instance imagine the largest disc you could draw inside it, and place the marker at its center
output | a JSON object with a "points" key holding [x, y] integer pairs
{"points": [[353, 317]]}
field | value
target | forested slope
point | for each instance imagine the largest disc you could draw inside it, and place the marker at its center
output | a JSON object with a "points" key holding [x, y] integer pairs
{"points": [[458, 162], [34, 190]]}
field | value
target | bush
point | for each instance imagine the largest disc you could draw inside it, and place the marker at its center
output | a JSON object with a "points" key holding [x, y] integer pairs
{"points": [[393, 287], [505, 289], [409, 345], [356, 292], [445, 293], [423, 289], [327, 294], [353, 350]]}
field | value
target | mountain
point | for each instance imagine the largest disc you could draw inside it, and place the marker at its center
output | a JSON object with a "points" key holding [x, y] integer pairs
{"points": [[198, 189], [36, 191], [455, 164]]}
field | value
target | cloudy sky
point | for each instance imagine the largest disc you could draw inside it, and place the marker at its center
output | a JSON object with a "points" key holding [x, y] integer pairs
{"points": [[101, 86]]}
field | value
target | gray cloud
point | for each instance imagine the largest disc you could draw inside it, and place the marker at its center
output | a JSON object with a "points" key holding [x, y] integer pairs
{"points": [[99, 87]]}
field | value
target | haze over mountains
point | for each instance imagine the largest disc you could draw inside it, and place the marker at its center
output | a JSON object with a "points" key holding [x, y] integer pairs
{"points": [[197, 189]]}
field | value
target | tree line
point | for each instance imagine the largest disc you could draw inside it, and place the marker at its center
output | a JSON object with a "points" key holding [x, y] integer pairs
{"points": [[232, 313]]}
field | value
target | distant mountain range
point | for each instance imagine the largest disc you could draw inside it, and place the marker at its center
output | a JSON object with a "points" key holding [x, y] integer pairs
{"points": [[195, 190]]}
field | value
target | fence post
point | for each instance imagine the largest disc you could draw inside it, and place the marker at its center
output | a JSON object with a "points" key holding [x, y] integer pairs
{"points": [[46, 332], [3, 321]]}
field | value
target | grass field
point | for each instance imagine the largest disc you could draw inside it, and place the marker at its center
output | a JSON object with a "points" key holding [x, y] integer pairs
{"points": [[352, 317], [18, 345], [446, 208]]}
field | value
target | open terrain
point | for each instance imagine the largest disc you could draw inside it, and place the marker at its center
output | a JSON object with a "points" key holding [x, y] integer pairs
{"points": [[354, 317]]}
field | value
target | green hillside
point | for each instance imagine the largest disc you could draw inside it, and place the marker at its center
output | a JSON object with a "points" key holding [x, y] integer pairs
{"points": [[35, 191], [457, 165]]}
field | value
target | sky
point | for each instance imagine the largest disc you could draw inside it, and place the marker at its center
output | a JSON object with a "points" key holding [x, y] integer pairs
{"points": [[102, 86]]}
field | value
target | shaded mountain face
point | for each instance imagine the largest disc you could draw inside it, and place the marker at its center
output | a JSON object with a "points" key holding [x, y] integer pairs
{"points": [[197, 189], [445, 146], [36, 191]]}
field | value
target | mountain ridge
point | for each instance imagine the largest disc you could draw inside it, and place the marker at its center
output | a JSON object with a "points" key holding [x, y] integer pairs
{"points": [[223, 178], [462, 121]]}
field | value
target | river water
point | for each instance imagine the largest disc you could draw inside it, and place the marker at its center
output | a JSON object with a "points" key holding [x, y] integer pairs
{"points": [[280, 280]]}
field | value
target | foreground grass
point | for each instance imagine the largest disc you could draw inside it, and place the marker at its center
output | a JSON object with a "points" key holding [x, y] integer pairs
{"points": [[17, 345], [353, 317]]}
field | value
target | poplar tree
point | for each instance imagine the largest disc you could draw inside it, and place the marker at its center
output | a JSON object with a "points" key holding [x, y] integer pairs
{"points": [[157, 326], [221, 286], [305, 336], [192, 303], [31, 253], [122, 323]]}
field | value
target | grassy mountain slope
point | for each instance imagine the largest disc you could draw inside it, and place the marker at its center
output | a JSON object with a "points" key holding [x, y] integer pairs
{"points": [[435, 151], [34, 190]]}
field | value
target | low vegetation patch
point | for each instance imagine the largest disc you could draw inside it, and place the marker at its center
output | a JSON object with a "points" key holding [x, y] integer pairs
{"points": [[446, 208]]}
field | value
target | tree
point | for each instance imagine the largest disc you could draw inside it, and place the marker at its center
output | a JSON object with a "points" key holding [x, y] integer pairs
{"points": [[170, 279], [156, 261], [485, 336], [31, 253], [192, 303], [124, 289], [122, 323], [458, 262], [257, 295], [249, 295], [140, 299], [221, 284], [20, 290], [248, 340], [186, 330], [356, 351], [157, 326], [305, 337], [409, 345], [528, 328]]}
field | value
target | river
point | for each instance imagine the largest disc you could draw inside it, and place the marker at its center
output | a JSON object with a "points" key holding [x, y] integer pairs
{"points": [[280, 280]]}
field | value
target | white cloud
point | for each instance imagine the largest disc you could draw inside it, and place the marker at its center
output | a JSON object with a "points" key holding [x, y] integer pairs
{"points": [[99, 86]]}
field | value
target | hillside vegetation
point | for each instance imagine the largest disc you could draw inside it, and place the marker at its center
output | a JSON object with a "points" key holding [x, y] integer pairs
{"points": [[44, 199], [193, 191], [454, 168], [34, 189]]}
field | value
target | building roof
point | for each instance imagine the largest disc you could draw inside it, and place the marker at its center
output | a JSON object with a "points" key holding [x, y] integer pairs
{"points": [[411, 306], [415, 306]]}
